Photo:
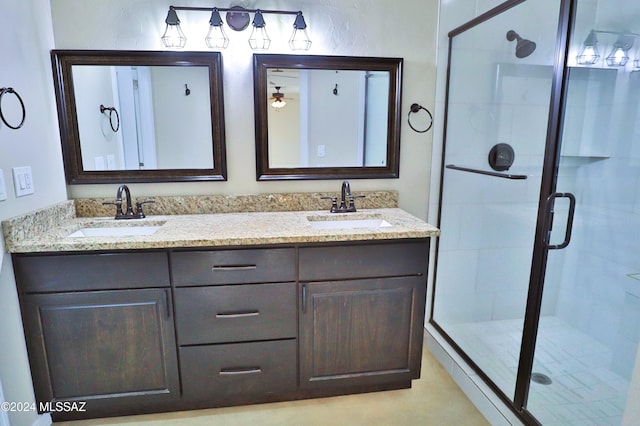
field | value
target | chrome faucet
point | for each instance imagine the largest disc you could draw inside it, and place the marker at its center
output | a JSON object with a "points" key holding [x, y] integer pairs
{"points": [[128, 213], [347, 204]]}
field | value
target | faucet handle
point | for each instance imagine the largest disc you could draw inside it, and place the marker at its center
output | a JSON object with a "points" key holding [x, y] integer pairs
{"points": [[352, 205], [118, 205], [139, 213], [334, 203]]}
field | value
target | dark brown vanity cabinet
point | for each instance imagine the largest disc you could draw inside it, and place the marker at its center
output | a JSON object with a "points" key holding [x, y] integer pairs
{"points": [[236, 322], [361, 314], [99, 329], [142, 331]]}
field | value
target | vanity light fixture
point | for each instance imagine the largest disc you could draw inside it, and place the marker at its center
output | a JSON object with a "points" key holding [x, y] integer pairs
{"points": [[238, 19], [589, 54], [259, 39], [216, 38], [619, 56], [173, 36], [299, 39]]}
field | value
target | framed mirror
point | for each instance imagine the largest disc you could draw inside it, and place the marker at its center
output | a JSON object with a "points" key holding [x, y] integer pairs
{"points": [[326, 117], [140, 116]]}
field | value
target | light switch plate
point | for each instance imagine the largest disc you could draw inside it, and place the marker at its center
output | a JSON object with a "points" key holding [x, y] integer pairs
{"points": [[3, 187], [23, 181], [111, 162]]}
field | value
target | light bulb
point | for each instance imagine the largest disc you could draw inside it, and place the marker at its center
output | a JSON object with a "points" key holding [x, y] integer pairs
{"points": [[216, 38], [173, 36], [299, 39], [588, 56], [618, 57], [259, 39]]}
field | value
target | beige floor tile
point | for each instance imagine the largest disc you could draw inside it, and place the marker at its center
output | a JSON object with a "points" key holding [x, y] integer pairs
{"points": [[434, 399]]}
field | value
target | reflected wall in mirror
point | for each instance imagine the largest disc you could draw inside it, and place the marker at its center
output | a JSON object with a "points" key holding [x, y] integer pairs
{"points": [[140, 116], [327, 117]]}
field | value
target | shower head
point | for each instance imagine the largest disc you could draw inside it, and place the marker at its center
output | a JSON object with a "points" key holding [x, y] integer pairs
{"points": [[524, 47]]}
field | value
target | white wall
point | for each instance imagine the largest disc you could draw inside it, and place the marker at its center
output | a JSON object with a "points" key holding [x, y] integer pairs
{"points": [[285, 123], [376, 111], [170, 101], [337, 27], [335, 121], [26, 34]]}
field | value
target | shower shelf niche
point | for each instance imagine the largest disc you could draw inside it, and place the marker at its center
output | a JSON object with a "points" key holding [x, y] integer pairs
{"points": [[580, 160]]}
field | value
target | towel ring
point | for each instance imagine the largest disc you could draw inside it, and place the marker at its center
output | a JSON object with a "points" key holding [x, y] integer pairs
{"points": [[111, 111], [24, 112], [415, 108]]}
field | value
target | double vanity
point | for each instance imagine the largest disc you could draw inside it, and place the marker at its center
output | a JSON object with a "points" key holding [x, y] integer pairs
{"points": [[208, 301], [177, 311]]}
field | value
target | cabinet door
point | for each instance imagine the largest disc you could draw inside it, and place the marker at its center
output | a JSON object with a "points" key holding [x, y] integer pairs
{"points": [[114, 349], [361, 332]]}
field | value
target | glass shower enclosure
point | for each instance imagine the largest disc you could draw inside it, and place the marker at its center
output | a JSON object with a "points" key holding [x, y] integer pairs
{"points": [[537, 281]]}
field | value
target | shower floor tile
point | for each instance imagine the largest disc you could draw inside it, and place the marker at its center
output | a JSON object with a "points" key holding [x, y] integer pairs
{"points": [[583, 390]]}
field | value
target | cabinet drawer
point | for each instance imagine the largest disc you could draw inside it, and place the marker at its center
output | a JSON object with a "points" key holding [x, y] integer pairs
{"points": [[218, 267], [363, 261], [235, 313], [241, 369], [73, 272]]}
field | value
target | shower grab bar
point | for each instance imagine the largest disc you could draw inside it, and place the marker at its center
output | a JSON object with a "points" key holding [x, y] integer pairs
{"points": [[485, 172], [549, 219]]}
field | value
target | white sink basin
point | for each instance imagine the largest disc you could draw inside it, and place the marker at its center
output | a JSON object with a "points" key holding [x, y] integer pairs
{"points": [[114, 231], [347, 223]]}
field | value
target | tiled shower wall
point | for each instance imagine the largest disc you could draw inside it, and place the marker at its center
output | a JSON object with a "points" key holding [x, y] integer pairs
{"points": [[490, 222], [485, 256], [599, 291]]}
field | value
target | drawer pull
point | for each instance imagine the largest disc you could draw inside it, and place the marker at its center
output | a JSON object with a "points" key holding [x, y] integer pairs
{"points": [[237, 314], [240, 370], [234, 267]]}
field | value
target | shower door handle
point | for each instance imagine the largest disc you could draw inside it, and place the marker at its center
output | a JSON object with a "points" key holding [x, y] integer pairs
{"points": [[549, 219]]}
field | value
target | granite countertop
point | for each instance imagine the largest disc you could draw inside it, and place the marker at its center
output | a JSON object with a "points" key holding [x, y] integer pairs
{"points": [[207, 230]]}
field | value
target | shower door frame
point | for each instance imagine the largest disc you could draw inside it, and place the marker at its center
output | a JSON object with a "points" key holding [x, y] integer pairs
{"points": [[547, 187]]}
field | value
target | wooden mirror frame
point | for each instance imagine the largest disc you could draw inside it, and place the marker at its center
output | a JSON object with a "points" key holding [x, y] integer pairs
{"points": [[63, 60], [263, 62]]}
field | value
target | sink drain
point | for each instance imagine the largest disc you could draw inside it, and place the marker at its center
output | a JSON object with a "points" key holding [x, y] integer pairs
{"points": [[540, 378]]}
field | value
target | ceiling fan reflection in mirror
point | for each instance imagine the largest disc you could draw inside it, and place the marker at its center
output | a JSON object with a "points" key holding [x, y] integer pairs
{"points": [[277, 99]]}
